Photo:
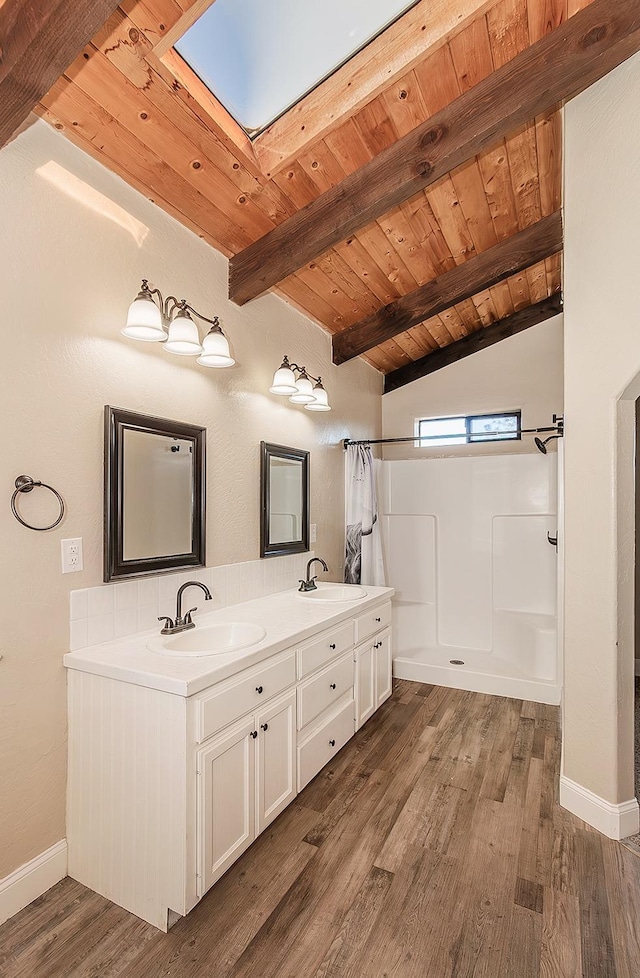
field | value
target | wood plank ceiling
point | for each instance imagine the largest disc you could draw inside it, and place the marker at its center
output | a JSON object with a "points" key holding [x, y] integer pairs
{"points": [[132, 104], [37, 42]]}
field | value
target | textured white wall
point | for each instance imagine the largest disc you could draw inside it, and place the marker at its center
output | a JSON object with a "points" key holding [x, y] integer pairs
{"points": [[68, 274], [602, 358], [524, 371]]}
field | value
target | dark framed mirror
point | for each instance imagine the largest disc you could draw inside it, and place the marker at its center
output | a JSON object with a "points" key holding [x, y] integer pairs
{"points": [[284, 498], [154, 494]]}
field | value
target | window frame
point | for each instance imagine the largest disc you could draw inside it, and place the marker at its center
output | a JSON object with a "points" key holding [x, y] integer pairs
{"points": [[431, 441]]}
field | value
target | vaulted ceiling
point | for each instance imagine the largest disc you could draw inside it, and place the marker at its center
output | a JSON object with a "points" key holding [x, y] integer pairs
{"points": [[411, 201]]}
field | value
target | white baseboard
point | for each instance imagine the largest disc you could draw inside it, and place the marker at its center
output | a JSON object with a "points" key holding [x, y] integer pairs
{"points": [[21, 887], [615, 821]]}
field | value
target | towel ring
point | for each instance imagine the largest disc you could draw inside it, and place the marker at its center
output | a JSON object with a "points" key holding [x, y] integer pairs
{"points": [[24, 483]]}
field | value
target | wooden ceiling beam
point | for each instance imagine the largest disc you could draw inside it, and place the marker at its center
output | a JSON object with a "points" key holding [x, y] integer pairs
{"points": [[554, 69], [480, 340], [38, 41], [534, 244]]}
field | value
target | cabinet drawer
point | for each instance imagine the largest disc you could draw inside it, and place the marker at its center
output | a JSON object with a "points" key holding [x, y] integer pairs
{"points": [[330, 644], [243, 694], [326, 741], [318, 693], [372, 621]]}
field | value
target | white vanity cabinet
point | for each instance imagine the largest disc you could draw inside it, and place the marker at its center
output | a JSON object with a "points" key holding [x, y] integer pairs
{"points": [[326, 709], [246, 774], [372, 622], [169, 784], [383, 665], [245, 778], [373, 681], [339, 690], [365, 683], [275, 759], [226, 802], [373, 660]]}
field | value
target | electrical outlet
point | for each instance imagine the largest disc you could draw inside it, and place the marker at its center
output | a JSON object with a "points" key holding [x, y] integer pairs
{"points": [[312, 533], [71, 555]]}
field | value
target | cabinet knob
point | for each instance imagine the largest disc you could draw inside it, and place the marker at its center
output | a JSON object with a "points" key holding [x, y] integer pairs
{"points": [[264, 726], [378, 619], [258, 689], [332, 743], [333, 645], [254, 734], [332, 685]]}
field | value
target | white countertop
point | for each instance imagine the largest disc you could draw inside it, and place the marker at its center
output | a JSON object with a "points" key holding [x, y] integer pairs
{"points": [[289, 620]]}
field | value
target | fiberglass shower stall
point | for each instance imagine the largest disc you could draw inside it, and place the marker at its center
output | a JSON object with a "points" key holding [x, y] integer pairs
{"points": [[470, 547]]}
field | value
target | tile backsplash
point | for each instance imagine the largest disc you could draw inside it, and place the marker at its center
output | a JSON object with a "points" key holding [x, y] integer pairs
{"points": [[100, 614]]}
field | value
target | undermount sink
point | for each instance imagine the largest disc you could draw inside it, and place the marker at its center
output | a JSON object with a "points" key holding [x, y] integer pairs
{"points": [[209, 640], [334, 592]]}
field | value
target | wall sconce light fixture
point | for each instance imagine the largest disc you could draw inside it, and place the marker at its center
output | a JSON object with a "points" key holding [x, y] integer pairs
{"points": [[300, 388], [154, 319]]}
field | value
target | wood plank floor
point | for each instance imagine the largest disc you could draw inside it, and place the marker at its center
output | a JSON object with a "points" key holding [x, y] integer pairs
{"points": [[432, 846]]}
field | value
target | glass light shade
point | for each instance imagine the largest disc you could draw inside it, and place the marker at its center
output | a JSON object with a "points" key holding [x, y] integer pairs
{"points": [[321, 402], [144, 321], [284, 380], [184, 339], [216, 351], [304, 391]]}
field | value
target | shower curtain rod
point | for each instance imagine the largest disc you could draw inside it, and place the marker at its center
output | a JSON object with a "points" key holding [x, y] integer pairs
{"points": [[558, 427]]}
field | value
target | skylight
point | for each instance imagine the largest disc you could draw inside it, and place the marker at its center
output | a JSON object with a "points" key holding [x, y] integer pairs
{"points": [[259, 58]]}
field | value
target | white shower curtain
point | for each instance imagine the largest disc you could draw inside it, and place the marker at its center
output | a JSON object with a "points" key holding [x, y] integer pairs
{"points": [[363, 562]]}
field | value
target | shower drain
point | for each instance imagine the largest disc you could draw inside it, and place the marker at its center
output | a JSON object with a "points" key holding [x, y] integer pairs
{"points": [[456, 662]]}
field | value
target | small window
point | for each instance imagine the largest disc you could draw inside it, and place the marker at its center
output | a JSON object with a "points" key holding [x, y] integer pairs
{"points": [[438, 432]]}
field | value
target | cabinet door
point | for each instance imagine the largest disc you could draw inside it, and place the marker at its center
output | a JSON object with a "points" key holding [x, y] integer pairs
{"points": [[365, 691], [382, 651], [226, 802], [275, 759]]}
